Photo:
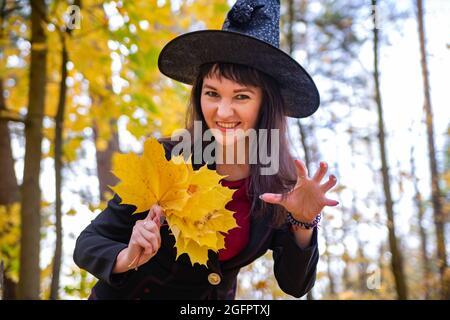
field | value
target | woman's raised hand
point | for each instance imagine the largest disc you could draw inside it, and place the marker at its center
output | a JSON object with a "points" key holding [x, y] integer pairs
{"points": [[307, 199]]}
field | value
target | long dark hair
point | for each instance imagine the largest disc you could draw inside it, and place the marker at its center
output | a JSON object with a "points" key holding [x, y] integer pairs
{"points": [[271, 116]]}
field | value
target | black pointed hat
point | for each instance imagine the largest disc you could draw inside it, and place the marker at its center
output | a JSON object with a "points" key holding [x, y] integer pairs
{"points": [[249, 36]]}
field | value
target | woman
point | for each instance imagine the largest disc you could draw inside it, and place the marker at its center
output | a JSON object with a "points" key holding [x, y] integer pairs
{"points": [[241, 80]]}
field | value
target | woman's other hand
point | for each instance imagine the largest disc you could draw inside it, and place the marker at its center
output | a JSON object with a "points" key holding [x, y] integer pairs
{"points": [[144, 243]]}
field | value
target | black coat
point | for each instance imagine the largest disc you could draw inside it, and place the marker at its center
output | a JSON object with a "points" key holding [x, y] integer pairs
{"points": [[163, 277]]}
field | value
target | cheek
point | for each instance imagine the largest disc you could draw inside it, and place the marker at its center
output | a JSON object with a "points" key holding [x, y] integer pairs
{"points": [[252, 113], [206, 110]]}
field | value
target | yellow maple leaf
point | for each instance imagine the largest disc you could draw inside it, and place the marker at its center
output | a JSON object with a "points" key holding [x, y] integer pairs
{"points": [[150, 178], [196, 252], [193, 200], [203, 223]]}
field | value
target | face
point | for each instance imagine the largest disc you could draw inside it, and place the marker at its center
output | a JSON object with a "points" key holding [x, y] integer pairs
{"points": [[229, 107]]}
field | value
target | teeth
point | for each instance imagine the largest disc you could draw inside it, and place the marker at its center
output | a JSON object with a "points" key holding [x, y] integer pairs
{"points": [[228, 125]]}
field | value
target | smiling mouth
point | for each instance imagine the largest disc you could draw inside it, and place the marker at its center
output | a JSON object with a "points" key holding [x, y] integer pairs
{"points": [[227, 125]]}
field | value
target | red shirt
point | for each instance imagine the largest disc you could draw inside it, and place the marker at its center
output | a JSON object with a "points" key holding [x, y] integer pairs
{"points": [[237, 238]]}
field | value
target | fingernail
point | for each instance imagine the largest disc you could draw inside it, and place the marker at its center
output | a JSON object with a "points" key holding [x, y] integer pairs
{"points": [[261, 196]]}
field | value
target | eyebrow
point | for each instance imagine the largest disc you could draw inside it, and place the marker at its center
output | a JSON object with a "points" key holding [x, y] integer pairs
{"points": [[207, 86]]}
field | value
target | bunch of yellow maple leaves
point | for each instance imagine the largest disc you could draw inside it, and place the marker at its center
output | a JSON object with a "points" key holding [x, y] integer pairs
{"points": [[193, 200]]}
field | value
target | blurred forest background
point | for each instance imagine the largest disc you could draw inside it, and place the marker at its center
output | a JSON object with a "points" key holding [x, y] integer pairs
{"points": [[79, 81]]}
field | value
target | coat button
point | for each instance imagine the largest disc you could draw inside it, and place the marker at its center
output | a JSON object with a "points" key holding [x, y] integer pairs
{"points": [[214, 278]]}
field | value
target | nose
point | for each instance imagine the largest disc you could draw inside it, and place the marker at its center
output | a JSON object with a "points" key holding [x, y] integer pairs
{"points": [[224, 110]]}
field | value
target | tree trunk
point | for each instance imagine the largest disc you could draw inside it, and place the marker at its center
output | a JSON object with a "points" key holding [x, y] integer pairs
{"points": [[346, 280], [426, 267], [290, 48], [59, 134], [362, 267], [397, 260], [104, 160], [346, 276], [31, 194], [361, 259], [436, 199], [9, 189], [59, 142], [332, 283]]}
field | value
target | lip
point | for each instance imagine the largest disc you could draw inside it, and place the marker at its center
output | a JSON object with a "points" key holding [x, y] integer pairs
{"points": [[227, 129]]}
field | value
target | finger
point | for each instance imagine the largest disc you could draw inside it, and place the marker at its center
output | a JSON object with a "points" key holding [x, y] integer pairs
{"points": [[144, 258], [151, 214], [162, 220], [302, 171], [154, 238], [158, 210], [330, 202], [157, 220], [137, 257], [155, 244], [134, 248], [143, 243], [329, 184], [150, 225], [320, 173], [149, 251], [155, 214], [274, 198]]}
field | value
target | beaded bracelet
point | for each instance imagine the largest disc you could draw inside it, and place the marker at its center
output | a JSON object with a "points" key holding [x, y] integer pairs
{"points": [[303, 225]]}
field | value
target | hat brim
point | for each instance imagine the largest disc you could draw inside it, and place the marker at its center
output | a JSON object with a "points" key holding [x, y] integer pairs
{"points": [[181, 58]]}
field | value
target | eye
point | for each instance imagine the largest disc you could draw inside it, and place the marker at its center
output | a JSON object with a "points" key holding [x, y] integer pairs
{"points": [[242, 97], [211, 94]]}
